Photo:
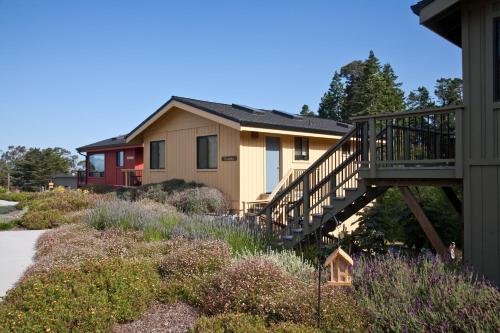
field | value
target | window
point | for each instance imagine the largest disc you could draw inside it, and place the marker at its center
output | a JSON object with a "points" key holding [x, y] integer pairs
{"points": [[301, 149], [120, 158], [497, 59], [157, 154], [206, 152], [96, 165]]}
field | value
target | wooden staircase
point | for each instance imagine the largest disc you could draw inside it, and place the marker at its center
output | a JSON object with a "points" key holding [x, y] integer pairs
{"points": [[379, 152], [325, 195]]}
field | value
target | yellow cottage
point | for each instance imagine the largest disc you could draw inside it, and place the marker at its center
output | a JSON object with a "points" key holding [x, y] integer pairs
{"points": [[247, 153]]}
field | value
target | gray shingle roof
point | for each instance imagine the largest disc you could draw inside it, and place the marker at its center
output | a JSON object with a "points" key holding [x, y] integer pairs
{"points": [[416, 8], [262, 118], [111, 142]]}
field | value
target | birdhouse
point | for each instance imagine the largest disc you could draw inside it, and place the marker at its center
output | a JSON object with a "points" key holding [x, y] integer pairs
{"points": [[338, 264]]}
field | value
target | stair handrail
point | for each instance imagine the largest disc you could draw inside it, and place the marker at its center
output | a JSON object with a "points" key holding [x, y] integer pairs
{"points": [[334, 148]]}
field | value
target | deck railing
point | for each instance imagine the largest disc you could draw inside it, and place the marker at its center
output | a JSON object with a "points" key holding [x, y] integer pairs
{"points": [[132, 177], [414, 139], [288, 178]]}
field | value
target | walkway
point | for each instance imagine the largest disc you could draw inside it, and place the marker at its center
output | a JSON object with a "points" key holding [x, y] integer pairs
{"points": [[17, 249]]}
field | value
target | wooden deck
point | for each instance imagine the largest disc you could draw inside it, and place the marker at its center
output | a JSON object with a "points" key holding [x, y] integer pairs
{"points": [[416, 148]]}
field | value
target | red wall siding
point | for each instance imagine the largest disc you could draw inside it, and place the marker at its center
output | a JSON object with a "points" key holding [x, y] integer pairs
{"points": [[113, 174]]}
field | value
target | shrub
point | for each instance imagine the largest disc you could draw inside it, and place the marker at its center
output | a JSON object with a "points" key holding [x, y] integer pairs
{"points": [[240, 235], [7, 225], [91, 299], [258, 286], [70, 245], [13, 196], [199, 200], [155, 220], [230, 323], [195, 258], [417, 295], [287, 260], [63, 201], [41, 219], [168, 187], [3, 189], [255, 286], [287, 327], [241, 322], [189, 265], [99, 188]]}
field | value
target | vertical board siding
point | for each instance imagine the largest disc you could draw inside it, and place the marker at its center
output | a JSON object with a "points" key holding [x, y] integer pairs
{"points": [[481, 140], [252, 152], [180, 129]]}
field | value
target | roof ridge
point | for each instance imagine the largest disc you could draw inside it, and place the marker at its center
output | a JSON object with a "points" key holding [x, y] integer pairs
{"points": [[212, 102]]}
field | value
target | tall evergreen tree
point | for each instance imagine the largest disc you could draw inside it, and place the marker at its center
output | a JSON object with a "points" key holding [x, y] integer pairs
{"points": [[449, 91], [305, 111], [362, 87], [332, 102], [37, 166], [419, 99]]}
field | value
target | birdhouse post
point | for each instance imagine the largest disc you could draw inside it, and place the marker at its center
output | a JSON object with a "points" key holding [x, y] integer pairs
{"points": [[338, 264]]}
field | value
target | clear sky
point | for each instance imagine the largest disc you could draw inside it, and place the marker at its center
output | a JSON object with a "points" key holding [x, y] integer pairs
{"points": [[75, 72]]}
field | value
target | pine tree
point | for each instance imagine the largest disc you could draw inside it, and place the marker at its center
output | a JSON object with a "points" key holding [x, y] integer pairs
{"points": [[449, 91], [306, 112], [332, 102], [419, 99]]}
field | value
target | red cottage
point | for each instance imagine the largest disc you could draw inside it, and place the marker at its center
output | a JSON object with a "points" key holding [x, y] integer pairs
{"points": [[112, 162]]}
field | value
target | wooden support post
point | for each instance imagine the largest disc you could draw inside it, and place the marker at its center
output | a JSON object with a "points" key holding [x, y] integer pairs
{"points": [[269, 222], [424, 222], [306, 201], [406, 143], [333, 187], [365, 142], [454, 200], [373, 147], [389, 142], [459, 146]]}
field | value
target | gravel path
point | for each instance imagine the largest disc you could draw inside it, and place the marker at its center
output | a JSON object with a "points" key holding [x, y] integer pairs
{"points": [[162, 318], [17, 249]]}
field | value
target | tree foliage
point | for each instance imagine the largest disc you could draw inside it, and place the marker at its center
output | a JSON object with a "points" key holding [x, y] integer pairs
{"points": [[305, 111], [34, 167], [360, 88], [449, 91], [419, 99], [389, 221]]}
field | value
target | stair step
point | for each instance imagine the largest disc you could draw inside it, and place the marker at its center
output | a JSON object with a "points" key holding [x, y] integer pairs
{"points": [[351, 188], [297, 230], [287, 237], [327, 207], [338, 198], [317, 215]]}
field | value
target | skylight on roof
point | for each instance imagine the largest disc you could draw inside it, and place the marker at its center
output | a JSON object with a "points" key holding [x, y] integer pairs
{"points": [[247, 109]]}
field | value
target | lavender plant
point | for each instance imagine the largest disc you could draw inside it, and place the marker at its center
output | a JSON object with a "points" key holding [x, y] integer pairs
{"points": [[240, 235], [155, 220], [424, 295], [287, 260]]}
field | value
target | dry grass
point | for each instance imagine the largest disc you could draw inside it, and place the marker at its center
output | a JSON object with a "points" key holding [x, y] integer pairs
{"points": [[164, 318]]}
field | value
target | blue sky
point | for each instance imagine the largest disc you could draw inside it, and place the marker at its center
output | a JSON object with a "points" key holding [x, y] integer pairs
{"points": [[75, 72]]}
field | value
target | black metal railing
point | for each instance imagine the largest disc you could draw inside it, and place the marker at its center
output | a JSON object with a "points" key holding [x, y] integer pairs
{"points": [[423, 138]]}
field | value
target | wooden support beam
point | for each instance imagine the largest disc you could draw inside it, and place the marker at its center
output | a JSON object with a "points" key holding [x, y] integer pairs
{"points": [[454, 200], [424, 222]]}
